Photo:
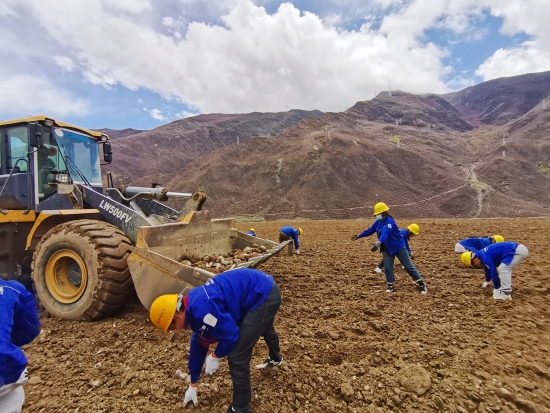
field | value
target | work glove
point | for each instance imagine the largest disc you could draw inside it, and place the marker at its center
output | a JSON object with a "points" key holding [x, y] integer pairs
{"points": [[212, 364], [486, 284], [297, 252], [411, 255], [191, 395], [375, 246], [355, 237]]}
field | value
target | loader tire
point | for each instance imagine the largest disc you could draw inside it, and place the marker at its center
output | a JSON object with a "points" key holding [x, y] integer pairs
{"points": [[80, 270]]}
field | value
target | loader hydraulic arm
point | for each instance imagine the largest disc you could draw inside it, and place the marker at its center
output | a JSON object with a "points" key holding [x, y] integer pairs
{"points": [[134, 207]]}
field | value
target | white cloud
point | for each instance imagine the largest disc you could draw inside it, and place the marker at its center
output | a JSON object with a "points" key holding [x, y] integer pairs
{"points": [[530, 17], [64, 62], [251, 59], [168, 21], [32, 95], [131, 6], [255, 60], [184, 114], [140, 101], [157, 114]]}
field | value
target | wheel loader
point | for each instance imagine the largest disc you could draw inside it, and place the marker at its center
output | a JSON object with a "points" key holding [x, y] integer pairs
{"points": [[86, 245]]}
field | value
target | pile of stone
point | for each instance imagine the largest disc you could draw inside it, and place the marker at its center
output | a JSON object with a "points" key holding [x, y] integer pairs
{"points": [[217, 263]]}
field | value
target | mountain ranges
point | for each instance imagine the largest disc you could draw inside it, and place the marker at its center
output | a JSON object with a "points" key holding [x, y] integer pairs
{"points": [[483, 151]]}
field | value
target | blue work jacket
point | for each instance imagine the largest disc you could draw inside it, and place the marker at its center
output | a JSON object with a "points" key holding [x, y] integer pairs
{"points": [[19, 325], [494, 255], [215, 309], [293, 233], [388, 234], [252, 233], [405, 235], [475, 243]]}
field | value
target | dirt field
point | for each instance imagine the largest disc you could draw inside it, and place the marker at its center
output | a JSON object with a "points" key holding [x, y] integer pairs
{"points": [[347, 345]]}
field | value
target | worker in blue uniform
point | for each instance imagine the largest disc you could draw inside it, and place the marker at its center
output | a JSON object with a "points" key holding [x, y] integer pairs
{"points": [[411, 231], [233, 309], [252, 232], [289, 233], [392, 245], [498, 260], [19, 325], [477, 243]]}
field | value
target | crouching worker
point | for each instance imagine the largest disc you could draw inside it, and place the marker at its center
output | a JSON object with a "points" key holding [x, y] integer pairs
{"points": [[233, 309], [19, 325], [411, 231], [391, 243], [477, 243], [290, 233], [498, 261]]}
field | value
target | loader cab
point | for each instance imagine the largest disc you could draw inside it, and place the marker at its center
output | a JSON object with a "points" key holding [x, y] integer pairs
{"points": [[37, 154]]}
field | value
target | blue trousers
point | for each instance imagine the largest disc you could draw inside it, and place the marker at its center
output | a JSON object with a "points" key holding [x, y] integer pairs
{"points": [[403, 257], [255, 324]]}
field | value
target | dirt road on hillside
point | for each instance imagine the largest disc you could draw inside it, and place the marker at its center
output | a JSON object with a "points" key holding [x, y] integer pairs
{"points": [[347, 345]]}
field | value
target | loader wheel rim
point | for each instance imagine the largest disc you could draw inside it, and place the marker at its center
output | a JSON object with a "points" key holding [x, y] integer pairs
{"points": [[66, 276]]}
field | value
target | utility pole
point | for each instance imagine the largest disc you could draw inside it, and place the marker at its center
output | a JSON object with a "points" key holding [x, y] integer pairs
{"points": [[237, 140]]}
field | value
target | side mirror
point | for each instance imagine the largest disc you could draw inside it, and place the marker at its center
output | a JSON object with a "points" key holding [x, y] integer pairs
{"points": [[35, 135], [107, 152]]}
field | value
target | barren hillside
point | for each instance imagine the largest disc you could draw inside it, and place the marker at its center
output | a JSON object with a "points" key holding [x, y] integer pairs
{"points": [[170, 147], [420, 154]]}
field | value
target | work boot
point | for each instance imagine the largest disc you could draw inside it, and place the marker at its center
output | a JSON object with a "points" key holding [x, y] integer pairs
{"points": [[234, 410], [390, 288], [501, 295], [269, 363], [421, 285]]}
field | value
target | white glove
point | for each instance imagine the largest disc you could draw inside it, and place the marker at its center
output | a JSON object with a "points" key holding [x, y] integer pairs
{"points": [[297, 252], [486, 284], [212, 365], [190, 396]]}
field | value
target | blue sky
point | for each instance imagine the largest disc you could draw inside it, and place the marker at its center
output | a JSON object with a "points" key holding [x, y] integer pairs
{"points": [[143, 63]]}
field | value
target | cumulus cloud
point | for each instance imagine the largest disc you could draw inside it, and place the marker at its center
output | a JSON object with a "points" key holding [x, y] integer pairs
{"points": [[185, 114], [64, 62], [168, 21], [157, 114], [251, 60], [33, 95], [530, 17], [247, 59]]}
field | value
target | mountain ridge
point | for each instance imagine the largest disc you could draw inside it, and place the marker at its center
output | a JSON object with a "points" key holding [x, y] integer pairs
{"points": [[473, 153]]}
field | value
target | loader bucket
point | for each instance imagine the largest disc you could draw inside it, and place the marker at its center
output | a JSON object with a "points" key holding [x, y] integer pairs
{"points": [[155, 260]]}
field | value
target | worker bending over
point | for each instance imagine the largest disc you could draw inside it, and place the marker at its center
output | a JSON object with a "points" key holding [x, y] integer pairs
{"points": [[411, 231], [252, 232], [477, 243], [233, 309], [391, 242], [19, 325], [498, 261], [287, 233]]}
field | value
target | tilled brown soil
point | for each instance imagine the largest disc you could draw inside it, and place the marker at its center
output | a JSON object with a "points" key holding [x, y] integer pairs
{"points": [[347, 345]]}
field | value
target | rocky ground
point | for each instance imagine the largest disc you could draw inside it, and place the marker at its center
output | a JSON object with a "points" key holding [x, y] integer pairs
{"points": [[348, 346]]}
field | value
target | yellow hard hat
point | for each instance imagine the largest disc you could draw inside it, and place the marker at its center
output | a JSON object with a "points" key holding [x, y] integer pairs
{"points": [[252, 229], [498, 238], [380, 207], [415, 229], [163, 309], [300, 231], [466, 258]]}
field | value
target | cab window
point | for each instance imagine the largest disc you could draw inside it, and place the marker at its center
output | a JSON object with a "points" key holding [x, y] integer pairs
{"points": [[18, 143]]}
